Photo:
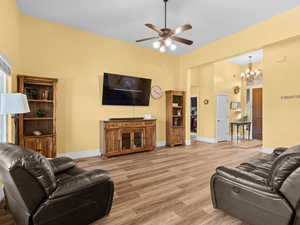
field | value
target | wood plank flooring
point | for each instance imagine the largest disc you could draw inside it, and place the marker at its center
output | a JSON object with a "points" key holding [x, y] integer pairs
{"points": [[169, 186]]}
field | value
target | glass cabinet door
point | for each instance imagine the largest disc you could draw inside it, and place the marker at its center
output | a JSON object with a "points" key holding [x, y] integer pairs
{"points": [[138, 140], [126, 140], [133, 138]]}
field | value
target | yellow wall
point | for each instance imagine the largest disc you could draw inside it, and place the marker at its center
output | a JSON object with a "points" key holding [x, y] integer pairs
{"points": [[9, 31], [227, 76], [203, 78], [79, 59], [275, 29], [208, 81], [255, 37], [281, 78], [10, 40]]}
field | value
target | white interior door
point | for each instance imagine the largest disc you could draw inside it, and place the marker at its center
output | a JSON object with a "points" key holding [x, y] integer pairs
{"points": [[222, 125]]}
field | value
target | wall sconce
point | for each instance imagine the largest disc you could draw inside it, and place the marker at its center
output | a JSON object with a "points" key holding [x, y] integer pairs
{"points": [[206, 101]]}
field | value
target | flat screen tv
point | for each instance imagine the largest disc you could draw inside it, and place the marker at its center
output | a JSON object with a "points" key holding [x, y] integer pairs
{"points": [[125, 90]]}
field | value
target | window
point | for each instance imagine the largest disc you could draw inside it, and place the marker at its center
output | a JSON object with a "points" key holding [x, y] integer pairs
{"points": [[3, 118]]}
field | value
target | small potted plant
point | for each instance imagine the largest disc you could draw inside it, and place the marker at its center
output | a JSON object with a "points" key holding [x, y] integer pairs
{"points": [[244, 117], [40, 113]]}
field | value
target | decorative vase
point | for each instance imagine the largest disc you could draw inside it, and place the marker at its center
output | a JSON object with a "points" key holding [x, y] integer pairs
{"points": [[45, 94]]}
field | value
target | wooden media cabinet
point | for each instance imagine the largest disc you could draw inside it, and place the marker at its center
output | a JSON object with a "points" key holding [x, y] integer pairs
{"points": [[119, 137]]}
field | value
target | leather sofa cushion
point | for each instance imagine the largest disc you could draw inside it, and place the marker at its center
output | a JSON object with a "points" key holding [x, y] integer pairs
{"points": [[290, 187], [13, 157], [79, 182], [259, 167], [61, 164], [284, 165]]}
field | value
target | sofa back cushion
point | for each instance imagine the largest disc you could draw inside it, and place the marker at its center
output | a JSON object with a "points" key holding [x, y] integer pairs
{"points": [[290, 188], [284, 165], [13, 157]]}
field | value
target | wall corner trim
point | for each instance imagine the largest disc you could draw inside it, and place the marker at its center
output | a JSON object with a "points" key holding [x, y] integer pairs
{"points": [[160, 143], [206, 139], [188, 142]]}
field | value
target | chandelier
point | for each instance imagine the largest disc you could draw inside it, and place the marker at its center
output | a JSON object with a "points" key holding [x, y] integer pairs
{"points": [[251, 74]]}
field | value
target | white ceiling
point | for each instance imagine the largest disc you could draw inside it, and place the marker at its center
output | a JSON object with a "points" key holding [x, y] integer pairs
{"points": [[257, 56], [124, 20]]}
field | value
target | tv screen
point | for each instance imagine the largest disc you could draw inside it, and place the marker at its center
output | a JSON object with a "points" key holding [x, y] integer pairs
{"points": [[125, 90]]}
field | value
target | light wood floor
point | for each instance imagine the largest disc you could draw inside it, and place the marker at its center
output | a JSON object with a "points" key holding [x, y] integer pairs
{"points": [[169, 186]]}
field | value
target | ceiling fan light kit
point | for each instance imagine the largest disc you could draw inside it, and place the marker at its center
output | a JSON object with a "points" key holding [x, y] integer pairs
{"points": [[167, 35], [162, 48], [156, 44]]}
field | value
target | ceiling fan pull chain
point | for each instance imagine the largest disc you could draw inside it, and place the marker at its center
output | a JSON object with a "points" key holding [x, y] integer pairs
{"points": [[166, 13]]}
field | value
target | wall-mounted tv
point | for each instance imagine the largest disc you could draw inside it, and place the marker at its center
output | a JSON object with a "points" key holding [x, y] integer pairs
{"points": [[125, 90]]}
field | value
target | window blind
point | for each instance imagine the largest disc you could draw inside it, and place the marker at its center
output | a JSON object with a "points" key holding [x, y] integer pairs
{"points": [[5, 65]]}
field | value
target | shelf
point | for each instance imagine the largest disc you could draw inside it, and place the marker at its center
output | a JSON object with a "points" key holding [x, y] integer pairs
{"points": [[39, 100], [177, 126], [39, 118], [177, 116], [36, 83], [41, 136], [177, 107]]}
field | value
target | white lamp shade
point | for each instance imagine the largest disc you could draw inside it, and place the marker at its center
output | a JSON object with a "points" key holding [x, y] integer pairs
{"points": [[13, 104]]}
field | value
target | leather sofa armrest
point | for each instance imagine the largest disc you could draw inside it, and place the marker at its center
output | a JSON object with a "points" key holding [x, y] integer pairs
{"points": [[244, 178], [297, 216], [79, 183], [61, 164], [278, 151]]}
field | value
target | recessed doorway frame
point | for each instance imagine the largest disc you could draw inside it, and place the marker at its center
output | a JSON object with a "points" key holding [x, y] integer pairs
{"points": [[249, 106], [197, 113]]}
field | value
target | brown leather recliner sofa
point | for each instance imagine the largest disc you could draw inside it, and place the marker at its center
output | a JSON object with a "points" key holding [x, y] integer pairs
{"points": [[261, 192], [42, 191]]}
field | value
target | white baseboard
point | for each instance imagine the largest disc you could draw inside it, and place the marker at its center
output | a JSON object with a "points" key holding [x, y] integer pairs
{"points": [[83, 154], [267, 150], [160, 143], [240, 137], [188, 142], [206, 139], [96, 152]]}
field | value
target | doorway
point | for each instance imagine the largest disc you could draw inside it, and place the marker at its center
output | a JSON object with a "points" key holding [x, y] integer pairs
{"points": [[257, 113], [222, 125], [194, 115]]}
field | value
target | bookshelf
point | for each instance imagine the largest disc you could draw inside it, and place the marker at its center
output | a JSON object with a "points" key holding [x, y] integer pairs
{"points": [[37, 129], [175, 118]]}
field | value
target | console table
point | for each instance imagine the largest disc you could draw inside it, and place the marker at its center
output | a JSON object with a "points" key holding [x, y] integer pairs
{"points": [[238, 125], [119, 137]]}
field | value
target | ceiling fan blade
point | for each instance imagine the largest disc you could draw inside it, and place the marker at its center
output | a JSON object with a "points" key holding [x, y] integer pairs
{"points": [[147, 39], [182, 28], [182, 40], [153, 27]]}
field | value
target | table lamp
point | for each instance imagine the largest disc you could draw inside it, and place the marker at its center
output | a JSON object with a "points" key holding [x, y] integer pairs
{"points": [[14, 103]]}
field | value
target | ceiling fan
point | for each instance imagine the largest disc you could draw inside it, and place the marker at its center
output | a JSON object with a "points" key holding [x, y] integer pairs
{"points": [[166, 35]]}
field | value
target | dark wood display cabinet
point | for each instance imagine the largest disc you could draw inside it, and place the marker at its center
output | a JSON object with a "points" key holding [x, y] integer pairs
{"points": [[37, 129]]}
